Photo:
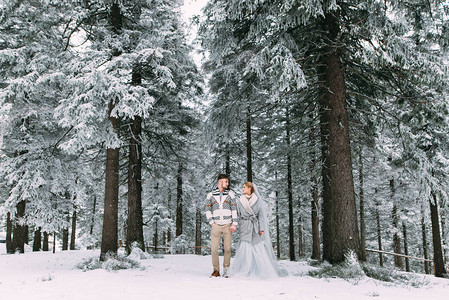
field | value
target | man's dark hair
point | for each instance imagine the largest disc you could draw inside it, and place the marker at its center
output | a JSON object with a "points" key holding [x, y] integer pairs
{"points": [[222, 176]]}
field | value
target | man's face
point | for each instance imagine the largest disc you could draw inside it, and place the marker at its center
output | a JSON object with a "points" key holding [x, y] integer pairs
{"points": [[223, 183]]}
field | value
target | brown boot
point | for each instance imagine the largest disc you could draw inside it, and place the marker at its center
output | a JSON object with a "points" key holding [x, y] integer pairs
{"points": [[215, 273]]}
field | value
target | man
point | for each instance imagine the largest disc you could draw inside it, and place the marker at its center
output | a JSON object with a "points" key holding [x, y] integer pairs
{"points": [[221, 213]]}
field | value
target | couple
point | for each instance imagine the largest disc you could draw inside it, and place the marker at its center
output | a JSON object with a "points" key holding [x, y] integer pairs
{"points": [[254, 256]]}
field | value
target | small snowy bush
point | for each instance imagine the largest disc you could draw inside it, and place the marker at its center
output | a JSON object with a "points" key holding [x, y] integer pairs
{"points": [[111, 263], [349, 269]]}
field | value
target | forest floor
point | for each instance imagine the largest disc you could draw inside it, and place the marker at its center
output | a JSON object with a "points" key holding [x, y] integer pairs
{"points": [[44, 275]]}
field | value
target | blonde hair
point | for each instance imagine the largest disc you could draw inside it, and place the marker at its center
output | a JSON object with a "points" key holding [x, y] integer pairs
{"points": [[250, 185]]}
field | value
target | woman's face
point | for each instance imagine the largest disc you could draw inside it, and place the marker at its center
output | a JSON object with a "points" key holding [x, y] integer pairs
{"points": [[246, 190]]}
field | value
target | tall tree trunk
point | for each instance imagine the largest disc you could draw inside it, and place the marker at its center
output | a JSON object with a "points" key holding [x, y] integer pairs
{"points": [[93, 216], [344, 223], [45, 242], [404, 233], [37, 240], [316, 251], [156, 236], [9, 245], [362, 209], [326, 208], [179, 200], [19, 232], [198, 231], [135, 218], [73, 233], [228, 161], [300, 231], [443, 234], [396, 239], [249, 150], [169, 216], [291, 232], [440, 270], [424, 241], [379, 235], [65, 239], [278, 234], [109, 240], [54, 242]]}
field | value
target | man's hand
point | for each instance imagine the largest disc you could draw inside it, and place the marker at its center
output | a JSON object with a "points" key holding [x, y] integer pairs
{"points": [[233, 228], [260, 233]]}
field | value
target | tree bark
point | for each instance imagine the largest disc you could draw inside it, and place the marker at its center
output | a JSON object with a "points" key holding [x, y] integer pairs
{"points": [[440, 270], [289, 189], [9, 245], [156, 236], [249, 150], [65, 239], [109, 240], [37, 240], [54, 242], [135, 218], [278, 235], [362, 209], [228, 162], [316, 245], [19, 232], [344, 224], [73, 233], [404, 233], [92, 222], [424, 241], [379, 235], [396, 239], [179, 200], [45, 242], [198, 231], [169, 216]]}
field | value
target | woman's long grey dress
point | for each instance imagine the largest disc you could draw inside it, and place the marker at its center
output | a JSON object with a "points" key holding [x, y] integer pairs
{"points": [[252, 259]]}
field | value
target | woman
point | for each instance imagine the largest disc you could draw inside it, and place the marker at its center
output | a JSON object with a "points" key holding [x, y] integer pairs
{"points": [[254, 256]]}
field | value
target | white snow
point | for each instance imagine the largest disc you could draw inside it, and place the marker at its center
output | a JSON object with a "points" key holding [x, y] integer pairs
{"points": [[44, 275]]}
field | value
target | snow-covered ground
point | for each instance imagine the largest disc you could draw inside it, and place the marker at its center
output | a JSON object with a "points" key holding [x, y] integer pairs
{"points": [[50, 276]]}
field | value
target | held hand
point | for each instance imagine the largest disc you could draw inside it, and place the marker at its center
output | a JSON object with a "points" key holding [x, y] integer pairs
{"points": [[260, 233], [233, 228]]}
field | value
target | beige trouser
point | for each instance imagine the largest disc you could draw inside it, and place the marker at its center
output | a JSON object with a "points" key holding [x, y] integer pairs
{"points": [[217, 231]]}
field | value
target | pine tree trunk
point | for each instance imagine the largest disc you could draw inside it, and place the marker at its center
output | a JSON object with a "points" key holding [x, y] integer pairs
{"points": [[278, 235], [19, 232], [362, 209], [396, 240], [134, 232], [169, 216], [198, 231], [93, 216], [379, 235], [26, 235], [45, 242], [326, 223], [424, 241], [179, 200], [316, 251], [249, 159], [73, 234], [9, 245], [109, 240], [344, 224], [65, 239], [404, 233], [156, 237], [37, 240], [440, 270], [443, 233], [228, 161], [291, 232], [54, 242]]}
